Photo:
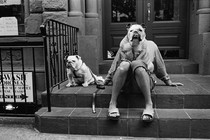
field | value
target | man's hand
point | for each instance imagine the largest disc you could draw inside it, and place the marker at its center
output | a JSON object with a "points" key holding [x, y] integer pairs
{"points": [[107, 81], [174, 84]]}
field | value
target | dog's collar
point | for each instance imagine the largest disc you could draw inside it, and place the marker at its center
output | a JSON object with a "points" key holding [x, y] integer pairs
{"points": [[79, 67]]}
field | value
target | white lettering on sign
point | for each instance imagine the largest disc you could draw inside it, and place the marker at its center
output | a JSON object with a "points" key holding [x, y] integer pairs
{"points": [[8, 26], [18, 81], [10, 2]]}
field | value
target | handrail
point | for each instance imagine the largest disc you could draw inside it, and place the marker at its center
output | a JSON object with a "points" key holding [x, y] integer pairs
{"points": [[60, 39], [53, 20]]}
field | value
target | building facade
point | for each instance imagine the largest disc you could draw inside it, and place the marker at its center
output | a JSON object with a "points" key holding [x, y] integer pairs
{"points": [[181, 28]]}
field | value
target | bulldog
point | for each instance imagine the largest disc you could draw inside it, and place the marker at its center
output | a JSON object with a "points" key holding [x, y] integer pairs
{"points": [[136, 33], [79, 73], [134, 48]]}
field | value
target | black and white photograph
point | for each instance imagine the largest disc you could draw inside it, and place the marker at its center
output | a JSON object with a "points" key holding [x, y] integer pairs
{"points": [[104, 69]]}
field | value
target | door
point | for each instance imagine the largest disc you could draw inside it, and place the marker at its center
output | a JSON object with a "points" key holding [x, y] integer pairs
{"points": [[166, 22]]}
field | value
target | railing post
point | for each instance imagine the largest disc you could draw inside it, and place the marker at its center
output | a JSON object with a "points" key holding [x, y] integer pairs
{"points": [[44, 35], [52, 62]]}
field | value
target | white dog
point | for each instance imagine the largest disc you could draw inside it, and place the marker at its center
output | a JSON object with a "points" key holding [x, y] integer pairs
{"points": [[79, 73]]}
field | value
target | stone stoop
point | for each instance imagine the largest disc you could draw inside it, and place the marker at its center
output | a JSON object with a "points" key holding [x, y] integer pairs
{"points": [[180, 112], [173, 66], [168, 123]]}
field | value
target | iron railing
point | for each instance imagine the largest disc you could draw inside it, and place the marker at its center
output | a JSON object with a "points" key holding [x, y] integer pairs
{"points": [[18, 94], [60, 39]]}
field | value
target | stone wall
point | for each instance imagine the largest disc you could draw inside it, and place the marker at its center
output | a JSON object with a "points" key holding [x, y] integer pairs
{"points": [[35, 19], [199, 43], [82, 14], [40, 10]]}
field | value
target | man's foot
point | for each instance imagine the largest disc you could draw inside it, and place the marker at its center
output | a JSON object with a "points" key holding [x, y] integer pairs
{"points": [[148, 114], [113, 112]]}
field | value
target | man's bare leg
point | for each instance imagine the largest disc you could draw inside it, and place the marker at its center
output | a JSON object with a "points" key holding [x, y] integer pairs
{"points": [[118, 82], [143, 81]]}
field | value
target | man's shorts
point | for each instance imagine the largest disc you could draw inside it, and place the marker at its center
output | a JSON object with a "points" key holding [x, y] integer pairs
{"points": [[131, 81]]}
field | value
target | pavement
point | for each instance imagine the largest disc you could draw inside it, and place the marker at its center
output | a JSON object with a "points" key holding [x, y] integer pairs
{"points": [[27, 132]]}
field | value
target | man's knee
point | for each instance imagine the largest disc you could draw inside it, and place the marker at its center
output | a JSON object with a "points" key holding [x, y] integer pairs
{"points": [[140, 71], [124, 67]]}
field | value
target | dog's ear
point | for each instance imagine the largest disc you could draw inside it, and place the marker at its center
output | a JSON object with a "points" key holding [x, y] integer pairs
{"points": [[78, 57], [128, 26], [143, 25], [65, 58]]}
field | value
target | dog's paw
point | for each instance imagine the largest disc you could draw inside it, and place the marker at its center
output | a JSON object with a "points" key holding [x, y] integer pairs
{"points": [[69, 85], [85, 84], [74, 84]]}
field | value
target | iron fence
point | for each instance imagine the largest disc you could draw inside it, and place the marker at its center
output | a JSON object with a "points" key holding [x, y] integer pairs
{"points": [[60, 39], [18, 94]]}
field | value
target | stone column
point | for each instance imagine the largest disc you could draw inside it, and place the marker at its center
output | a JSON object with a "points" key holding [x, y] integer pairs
{"points": [[91, 40], [204, 16], [75, 8], [204, 4], [27, 10], [204, 35], [91, 9]]}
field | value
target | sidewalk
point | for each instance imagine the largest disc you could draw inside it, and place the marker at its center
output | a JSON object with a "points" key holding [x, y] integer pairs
{"points": [[27, 132]]}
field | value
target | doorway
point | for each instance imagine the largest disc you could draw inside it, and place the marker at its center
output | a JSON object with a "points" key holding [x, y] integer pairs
{"points": [[166, 22]]}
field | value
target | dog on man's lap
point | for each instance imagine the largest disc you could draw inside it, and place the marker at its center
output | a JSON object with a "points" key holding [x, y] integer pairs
{"points": [[78, 73]]}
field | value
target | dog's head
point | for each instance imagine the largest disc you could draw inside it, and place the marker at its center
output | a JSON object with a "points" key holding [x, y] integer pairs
{"points": [[136, 33], [73, 62]]}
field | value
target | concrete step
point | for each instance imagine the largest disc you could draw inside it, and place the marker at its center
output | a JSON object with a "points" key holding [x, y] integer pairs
{"points": [[167, 123], [194, 94], [173, 66]]}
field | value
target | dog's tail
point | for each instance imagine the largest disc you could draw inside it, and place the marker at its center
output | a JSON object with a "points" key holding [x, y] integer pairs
{"points": [[99, 80]]}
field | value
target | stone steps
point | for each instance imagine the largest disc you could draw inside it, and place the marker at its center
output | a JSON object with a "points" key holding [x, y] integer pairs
{"points": [[168, 123], [173, 66], [180, 112], [192, 95], [167, 98]]}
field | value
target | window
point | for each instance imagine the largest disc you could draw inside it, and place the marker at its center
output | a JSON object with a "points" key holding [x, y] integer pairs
{"points": [[14, 8], [123, 10], [166, 10]]}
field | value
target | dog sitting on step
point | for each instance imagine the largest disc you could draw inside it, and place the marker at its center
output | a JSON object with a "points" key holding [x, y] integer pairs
{"points": [[79, 73]]}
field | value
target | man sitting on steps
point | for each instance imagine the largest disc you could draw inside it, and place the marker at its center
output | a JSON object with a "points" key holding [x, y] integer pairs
{"points": [[136, 58]]}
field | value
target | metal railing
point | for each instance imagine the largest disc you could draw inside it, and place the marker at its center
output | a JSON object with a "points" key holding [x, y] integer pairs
{"points": [[60, 39], [18, 94]]}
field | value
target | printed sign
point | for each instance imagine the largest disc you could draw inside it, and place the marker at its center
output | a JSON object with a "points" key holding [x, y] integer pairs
{"points": [[10, 2], [18, 87], [8, 26]]}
